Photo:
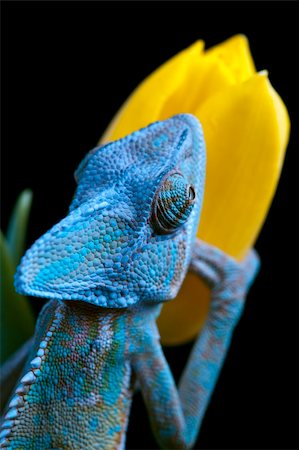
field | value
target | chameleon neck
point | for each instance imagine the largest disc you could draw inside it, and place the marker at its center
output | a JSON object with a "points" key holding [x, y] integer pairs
{"points": [[77, 386]]}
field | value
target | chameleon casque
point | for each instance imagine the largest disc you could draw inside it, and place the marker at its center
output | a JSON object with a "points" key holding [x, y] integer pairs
{"points": [[123, 249]]}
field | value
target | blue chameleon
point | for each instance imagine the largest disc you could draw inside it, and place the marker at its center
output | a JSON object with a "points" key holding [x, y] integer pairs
{"points": [[123, 249]]}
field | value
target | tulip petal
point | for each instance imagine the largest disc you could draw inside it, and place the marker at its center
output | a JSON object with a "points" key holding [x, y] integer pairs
{"points": [[235, 53], [246, 129], [182, 318], [145, 103], [205, 77], [180, 85]]}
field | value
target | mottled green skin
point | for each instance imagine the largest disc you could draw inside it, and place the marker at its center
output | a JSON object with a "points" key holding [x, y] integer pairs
{"points": [[81, 398]]}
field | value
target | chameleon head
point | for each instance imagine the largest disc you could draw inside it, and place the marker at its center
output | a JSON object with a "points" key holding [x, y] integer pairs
{"points": [[132, 223]]}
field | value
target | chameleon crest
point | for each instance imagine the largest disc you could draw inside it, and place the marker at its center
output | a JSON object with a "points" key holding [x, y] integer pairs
{"points": [[132, 223]]}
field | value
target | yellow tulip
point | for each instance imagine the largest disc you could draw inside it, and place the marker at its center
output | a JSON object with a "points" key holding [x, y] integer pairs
{"points": [[246, 128]]}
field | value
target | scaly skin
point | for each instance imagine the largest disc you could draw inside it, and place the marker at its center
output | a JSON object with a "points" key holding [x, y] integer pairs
{"points": [[123, 249], [81, 398]]}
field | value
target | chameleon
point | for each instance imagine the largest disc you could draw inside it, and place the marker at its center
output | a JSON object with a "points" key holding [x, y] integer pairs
{"points": [[106, 268]]}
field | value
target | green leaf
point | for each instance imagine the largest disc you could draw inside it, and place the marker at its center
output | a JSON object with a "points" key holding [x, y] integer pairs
{"points": [[17, 319], [17, 227]]}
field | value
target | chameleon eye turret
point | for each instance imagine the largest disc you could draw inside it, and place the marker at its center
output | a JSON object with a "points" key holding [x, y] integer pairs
{"points": [[172, 204]]}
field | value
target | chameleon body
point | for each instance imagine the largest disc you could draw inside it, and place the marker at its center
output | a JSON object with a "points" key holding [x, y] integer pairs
{"points": [[123, 249]]}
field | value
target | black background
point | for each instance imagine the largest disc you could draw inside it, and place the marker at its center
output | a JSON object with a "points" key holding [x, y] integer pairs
{"points": [[66, 69]]}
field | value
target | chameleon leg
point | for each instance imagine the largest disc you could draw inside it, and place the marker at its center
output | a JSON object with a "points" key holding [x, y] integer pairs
{"points": [[176, 415]]}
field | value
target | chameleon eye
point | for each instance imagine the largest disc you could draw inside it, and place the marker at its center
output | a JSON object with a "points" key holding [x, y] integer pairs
{"points": [[172, 204]]}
